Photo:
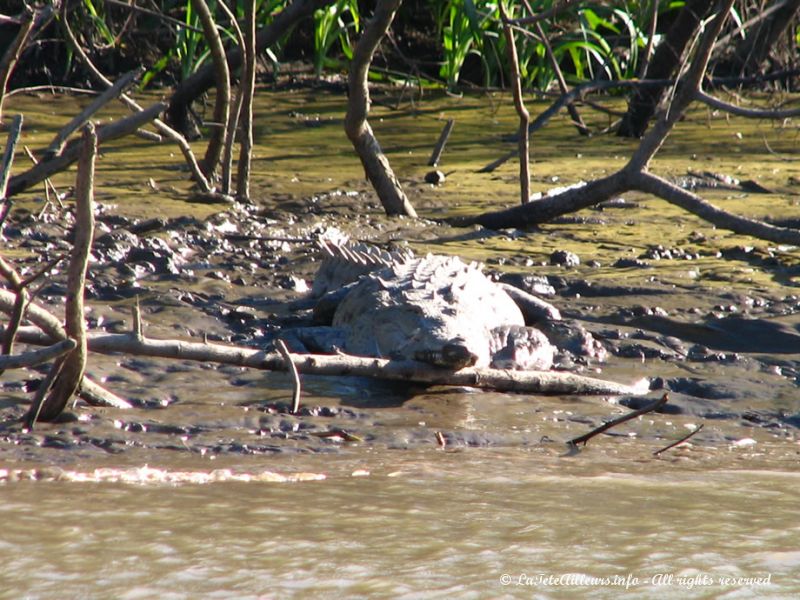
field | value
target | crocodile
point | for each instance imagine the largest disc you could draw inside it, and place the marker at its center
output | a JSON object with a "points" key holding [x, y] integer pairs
{"points": [[436, 309]]}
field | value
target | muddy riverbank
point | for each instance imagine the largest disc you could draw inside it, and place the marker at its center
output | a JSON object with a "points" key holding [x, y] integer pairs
{"points": [[207, 485]]}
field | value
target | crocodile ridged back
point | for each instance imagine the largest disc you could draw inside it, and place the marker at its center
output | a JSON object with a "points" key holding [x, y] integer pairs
{"points": [[344, 263]]}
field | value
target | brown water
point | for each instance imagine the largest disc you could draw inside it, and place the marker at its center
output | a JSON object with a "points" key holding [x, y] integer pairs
{"points": [[503, 510]]}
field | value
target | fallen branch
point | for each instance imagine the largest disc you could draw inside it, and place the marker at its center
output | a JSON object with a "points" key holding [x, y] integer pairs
{"points": [[18, 309], [69, 155], [749, 113], [124, 82], [635, 176], [96, 395], [543, 382], [47, 330], [36, 357], [44, 320], [655, 405]]}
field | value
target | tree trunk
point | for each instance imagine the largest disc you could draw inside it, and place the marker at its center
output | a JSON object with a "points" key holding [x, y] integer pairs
{"points": [[669, 56], [358, 130], [753, 51]]}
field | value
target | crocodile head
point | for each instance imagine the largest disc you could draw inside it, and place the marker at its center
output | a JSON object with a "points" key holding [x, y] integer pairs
{"points": [[454, 354], [436, 309]]}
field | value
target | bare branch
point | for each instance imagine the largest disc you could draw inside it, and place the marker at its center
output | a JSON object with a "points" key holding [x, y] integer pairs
{"points": [[436, 155], [542, 382], [692, 433], [36, 357], [162, 127], [123, 83], [72, 365], [8, 154], [750, 113], [46, 168], [222, 98], [655, 405]]}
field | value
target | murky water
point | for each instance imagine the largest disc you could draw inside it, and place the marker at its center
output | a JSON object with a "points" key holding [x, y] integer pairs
{"points": [[212, 495]]}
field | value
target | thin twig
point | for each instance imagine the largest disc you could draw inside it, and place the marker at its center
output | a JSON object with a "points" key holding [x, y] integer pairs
{"points": [[680, 441], [49, 188], [651, 39], [562, 82], [655, 405], [133, 7]]}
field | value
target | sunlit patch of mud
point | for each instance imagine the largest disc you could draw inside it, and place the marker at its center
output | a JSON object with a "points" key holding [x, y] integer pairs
{"points": [[154, 476]]}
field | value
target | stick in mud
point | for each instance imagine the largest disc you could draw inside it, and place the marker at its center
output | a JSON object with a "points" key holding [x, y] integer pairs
{"points": [[436, 155], [281, 346], [655, 405], [680, 441]]}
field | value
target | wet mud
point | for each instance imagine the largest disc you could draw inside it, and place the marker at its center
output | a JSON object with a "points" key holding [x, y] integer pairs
{"points": [[710, 317], [239, 276]]}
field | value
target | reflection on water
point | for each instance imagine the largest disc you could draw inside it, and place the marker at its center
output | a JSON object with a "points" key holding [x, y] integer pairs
{"points": [[472, 524]]}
